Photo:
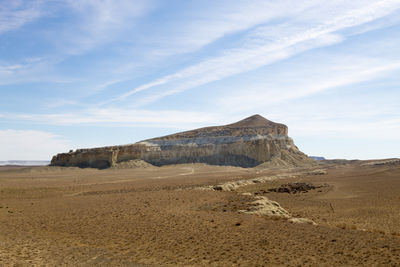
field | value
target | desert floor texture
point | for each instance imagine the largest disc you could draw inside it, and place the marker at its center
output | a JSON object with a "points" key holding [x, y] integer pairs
{"points": [[187, 215]]}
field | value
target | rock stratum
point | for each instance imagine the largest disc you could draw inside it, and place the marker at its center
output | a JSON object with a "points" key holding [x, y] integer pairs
{"points": [[247, 143]]}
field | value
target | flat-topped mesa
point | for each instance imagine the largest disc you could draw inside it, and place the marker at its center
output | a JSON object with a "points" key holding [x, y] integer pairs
{"points": [[251, 126], [246, 143]]}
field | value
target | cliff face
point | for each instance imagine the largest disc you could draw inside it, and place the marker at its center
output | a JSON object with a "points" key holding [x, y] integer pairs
{"points": [[247, 143]]}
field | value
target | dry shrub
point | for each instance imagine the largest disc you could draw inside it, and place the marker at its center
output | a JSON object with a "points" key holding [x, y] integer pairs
{"points": [[341, 225], [378, 231]]}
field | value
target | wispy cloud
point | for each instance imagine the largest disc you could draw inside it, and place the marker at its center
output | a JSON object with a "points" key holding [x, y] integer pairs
{"points": [[15, 14], [31, 70], [254, 53], [101, 22], [350, 120], [123, 117], [210, 21], [90, 25], [77, 65], [311, 78]]}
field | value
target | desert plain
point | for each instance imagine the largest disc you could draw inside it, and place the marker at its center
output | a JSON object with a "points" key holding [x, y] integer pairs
{"points": [[344, 213]]}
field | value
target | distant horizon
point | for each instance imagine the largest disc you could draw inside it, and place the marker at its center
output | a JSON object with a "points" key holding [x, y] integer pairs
{"points": [[82, 74], [24, 162]]}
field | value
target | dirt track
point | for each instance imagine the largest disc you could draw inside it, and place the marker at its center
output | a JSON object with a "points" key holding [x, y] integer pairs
{"points": [[154, 217]]}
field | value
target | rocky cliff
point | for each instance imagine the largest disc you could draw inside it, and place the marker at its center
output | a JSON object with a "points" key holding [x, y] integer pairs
{"points": [[247, 143]]}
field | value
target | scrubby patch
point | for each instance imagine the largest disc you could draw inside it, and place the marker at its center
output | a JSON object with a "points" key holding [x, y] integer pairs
{"points": [[233, 186], [301, 220], [261, 205], [257, 205], [317, 172], [264, 206], [232, 203], [136, 163], [293, 188], [387, 162], [247, 203]]}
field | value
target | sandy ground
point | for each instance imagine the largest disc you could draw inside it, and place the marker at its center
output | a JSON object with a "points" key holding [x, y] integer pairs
{"points": [[158, 217]]}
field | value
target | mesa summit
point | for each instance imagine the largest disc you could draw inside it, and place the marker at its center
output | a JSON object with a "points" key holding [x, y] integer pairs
{"points": [[246, 143]]}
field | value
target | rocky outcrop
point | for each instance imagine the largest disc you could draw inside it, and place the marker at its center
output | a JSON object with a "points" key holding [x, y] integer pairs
{"points": [[247, 143]]}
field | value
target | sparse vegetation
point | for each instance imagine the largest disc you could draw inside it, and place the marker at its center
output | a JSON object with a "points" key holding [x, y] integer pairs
{"points": [[126, 216]]}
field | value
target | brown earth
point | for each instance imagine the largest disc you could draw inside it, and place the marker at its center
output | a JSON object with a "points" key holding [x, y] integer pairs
{"points": [[157, 216]]}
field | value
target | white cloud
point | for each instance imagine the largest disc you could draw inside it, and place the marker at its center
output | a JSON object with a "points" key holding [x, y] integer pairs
{"points": [[31, 70], [100, 22], [14, 14], [211, 20], [124, 117], [57, 103], [307, 78], [256, 51], [30, 145], [89, 24]]}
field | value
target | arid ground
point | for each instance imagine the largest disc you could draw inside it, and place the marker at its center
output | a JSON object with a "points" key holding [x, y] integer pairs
{"points": [[172, 216]]}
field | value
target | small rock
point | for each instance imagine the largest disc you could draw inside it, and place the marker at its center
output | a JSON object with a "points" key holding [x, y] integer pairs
{"points": [[217, 188]]}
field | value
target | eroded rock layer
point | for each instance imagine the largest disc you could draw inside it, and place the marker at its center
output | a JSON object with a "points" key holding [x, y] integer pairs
{"points": [[247, 143]]}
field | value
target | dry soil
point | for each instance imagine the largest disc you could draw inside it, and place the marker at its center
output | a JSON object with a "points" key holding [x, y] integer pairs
{"points": [[52, 216]]}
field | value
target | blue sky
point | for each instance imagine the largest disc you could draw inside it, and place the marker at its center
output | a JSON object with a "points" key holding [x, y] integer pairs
{"points": [[91, 73]]}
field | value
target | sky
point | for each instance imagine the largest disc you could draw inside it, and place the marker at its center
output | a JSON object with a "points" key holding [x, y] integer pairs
{"points": [[89, 73]]}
